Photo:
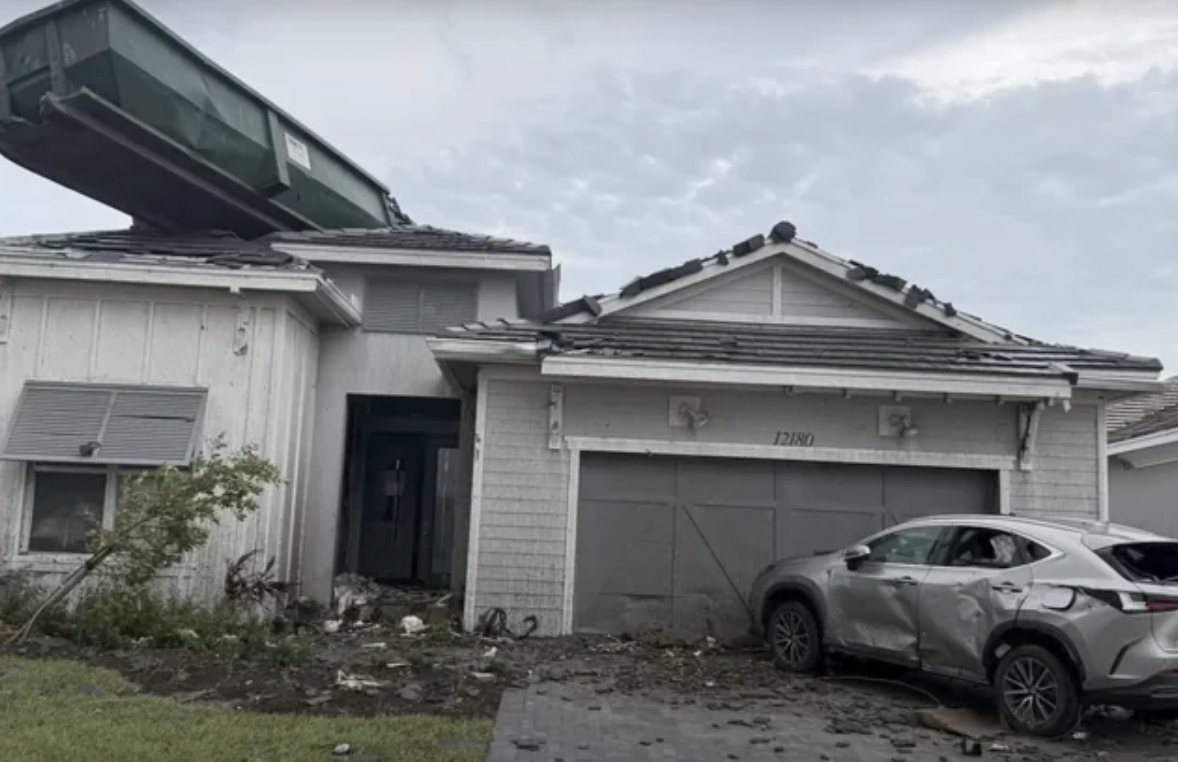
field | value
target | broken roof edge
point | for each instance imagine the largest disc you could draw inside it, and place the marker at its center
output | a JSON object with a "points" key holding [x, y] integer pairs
{"points": [[783, 240], [322, 297], [451, 349]]}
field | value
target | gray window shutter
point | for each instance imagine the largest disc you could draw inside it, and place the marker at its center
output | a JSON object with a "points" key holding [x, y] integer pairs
{"points": [[53, 423], [83, 423], [419, 306], [392, 306], [152, 427], [447, 304]]}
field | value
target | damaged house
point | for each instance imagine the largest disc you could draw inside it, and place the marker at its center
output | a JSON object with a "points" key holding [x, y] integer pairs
{"points": [[616, 463], [641, 456]]}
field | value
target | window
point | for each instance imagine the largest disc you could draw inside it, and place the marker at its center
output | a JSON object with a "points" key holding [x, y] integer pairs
{"points": [[65, 503], [905, 546], [419, 306], [986, 548]]}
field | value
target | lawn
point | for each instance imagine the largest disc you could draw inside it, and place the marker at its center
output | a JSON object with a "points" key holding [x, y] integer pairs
{"points": [[63, 711]]}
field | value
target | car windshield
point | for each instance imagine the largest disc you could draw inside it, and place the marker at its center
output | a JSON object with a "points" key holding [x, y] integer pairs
{"points": [[1143, 561]]}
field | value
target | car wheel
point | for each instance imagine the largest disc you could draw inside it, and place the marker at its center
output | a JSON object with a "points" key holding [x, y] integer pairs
{"points": [[1036, 692], [794, 638]]}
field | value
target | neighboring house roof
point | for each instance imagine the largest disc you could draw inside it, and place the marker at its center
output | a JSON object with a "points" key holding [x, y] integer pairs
{"points": [[1158, 422], [783, 241], [700, 341], [1142, 406]]}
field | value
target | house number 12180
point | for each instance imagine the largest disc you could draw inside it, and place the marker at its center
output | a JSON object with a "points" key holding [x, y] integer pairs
{"points": [[794, 439]]}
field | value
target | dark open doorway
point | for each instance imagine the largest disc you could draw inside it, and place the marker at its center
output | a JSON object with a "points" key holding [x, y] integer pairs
{"points": [[401, 471]]}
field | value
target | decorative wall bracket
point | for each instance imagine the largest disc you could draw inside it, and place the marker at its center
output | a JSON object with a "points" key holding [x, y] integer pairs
{"points": [[555, 416], [1028, 430]]}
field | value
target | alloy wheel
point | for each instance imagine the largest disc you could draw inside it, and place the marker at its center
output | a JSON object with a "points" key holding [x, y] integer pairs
{"points": [[1031, 692], [792, 638]]}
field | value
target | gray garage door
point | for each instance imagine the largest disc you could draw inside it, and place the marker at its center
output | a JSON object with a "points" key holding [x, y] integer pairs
{"points": [[674, 543]]}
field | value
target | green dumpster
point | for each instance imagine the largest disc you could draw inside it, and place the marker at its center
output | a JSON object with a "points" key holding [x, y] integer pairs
{"points": [[100, 97]]}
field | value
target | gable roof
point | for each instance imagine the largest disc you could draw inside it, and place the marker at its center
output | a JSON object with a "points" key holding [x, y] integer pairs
{"points": [[783, 241], [747, 344], [1138, 408]]}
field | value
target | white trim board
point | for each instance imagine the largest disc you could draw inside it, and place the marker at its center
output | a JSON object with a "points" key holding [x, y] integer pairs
{"points": [[372, 255], [1136, 444], [1102, 507], [804, 454], [327, 300], [473, 551], [620, 369], [570, 540]]}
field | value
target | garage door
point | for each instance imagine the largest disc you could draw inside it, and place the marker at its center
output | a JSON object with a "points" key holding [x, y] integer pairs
{"points": [[674, 543]]}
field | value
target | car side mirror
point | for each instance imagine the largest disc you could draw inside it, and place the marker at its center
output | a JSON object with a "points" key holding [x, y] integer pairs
{"points": [[856, 555]]}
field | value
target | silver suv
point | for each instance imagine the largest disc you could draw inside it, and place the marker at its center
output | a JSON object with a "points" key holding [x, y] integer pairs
{"points": [[1052, 614]]}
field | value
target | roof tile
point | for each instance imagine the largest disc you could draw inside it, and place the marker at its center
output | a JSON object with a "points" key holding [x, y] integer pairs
{"points": [[899, 349]]}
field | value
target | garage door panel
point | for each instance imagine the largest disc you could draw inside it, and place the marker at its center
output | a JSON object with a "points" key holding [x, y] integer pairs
{"points": [[622, 477], [616, 614], [674, 544], [833, 485], [720, 549], [628, 548], [697, 615], [727, 482], [915, 492]]}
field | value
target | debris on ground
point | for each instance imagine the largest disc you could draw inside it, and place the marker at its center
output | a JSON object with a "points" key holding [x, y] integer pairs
{"points": [[411, 625], [964, 722], [356, 682]]}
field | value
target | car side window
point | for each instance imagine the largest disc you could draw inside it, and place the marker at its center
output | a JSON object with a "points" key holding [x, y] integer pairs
{"points": [[987, 548], [913, 545]]}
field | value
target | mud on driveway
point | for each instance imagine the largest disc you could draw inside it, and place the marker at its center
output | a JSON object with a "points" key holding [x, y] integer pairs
{"points": [[379, 671]]}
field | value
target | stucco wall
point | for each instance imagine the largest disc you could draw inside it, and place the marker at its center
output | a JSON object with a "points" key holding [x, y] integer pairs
{"points": [[523, 496], [64, 331], [359, 362]]}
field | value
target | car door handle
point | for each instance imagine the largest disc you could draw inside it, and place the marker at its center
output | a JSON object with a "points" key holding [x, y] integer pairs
{"points": [[905, 581], [1007, 587]]}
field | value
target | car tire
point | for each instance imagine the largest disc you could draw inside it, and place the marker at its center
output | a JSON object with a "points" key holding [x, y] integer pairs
{"points": [[794, 638], [1049, 710]]}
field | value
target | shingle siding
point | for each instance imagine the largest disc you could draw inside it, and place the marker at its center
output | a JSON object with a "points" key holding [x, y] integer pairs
{"points": [[1064, 480], [523, 508]]}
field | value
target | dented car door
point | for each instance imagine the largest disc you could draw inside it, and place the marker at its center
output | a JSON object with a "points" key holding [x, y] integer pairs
{"points": [[978, 582], [872, 605]]}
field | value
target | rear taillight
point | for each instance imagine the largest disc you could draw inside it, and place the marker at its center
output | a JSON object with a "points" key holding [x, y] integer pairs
{"points": [[1136, 603]]}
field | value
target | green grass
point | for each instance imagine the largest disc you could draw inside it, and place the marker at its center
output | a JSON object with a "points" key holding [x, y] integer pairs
{"points": [[63, 711]]}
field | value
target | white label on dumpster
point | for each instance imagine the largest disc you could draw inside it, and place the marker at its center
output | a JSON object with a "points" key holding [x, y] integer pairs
{"points": [[296, 151]]}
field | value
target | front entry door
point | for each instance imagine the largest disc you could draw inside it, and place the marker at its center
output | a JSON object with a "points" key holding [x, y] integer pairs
{"points": [[873, 605], [393, 480]]}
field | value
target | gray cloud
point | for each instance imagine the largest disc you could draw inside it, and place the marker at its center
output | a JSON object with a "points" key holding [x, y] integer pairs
{"points": [[1046, 209], [630, 136]]}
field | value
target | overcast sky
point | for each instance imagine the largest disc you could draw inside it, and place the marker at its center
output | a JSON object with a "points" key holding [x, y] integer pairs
{"points": [[1018, 158]]}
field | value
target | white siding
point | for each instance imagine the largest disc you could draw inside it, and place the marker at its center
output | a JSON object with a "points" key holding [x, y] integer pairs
{"points": [[359, 362], [524, 502], [780, 292], [125, 334]]}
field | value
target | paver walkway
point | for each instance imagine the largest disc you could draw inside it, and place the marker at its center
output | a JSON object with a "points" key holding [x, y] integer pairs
{"points": [[568, 722]]}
